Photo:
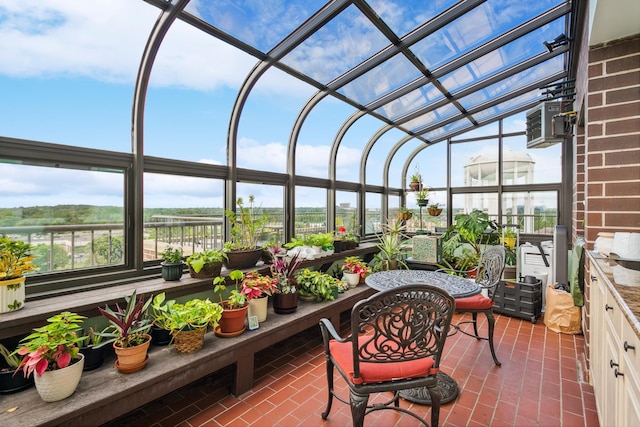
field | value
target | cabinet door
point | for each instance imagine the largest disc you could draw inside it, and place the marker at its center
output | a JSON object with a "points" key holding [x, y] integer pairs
{"points": [[630, 354], [597, 334]]}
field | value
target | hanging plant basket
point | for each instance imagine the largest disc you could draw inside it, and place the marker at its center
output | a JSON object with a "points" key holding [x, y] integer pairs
{"points": [[435, 211]]}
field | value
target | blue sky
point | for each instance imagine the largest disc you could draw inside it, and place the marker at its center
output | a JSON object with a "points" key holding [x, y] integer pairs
{"points": [[67, 73]]}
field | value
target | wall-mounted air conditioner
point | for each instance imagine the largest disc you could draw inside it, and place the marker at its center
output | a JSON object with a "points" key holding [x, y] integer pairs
{"points": [[543, 129]]}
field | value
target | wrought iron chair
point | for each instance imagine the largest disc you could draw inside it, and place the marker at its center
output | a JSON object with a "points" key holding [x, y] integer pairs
{"points": [[396, 342], [488, 275]]}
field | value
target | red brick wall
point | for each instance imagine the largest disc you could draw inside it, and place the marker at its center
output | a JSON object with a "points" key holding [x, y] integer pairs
{"points": [[612, 142]]}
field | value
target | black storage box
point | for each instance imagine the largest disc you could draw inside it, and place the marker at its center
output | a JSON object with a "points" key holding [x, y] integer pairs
{"points": [[521, 300]]}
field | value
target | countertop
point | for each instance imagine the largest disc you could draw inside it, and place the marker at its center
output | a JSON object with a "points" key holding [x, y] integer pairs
{"points": [[627, 296]]}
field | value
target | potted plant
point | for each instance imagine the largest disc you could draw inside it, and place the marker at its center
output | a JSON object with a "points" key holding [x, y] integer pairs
{"points": [[421, 196], [206, 264], [189, 321], [285, 297], [172, 264], [160, 327], [128, 332], [11, 379], [247, 223], [415, 180], [355, 270], [234, 308], [52, 352], [392, 243], [15, 262], [434, 209], [404, 213], [93, 354], [258, 288], [509, 236], [462, 242], [317, 286]]}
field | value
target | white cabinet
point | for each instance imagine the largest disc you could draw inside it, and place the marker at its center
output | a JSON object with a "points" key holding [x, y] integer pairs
{"points": [[614, 356]]}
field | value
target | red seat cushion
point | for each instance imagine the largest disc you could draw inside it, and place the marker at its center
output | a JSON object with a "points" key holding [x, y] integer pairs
{"points": [[476, 302], [379, 372]]}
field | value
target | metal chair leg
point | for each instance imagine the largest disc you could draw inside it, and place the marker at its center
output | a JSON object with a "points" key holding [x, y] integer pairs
{"points": [[491, 321], [358, 408], [325, 414]]}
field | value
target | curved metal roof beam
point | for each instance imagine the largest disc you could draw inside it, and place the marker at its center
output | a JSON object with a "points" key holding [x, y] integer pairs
{"points": [[392, 153], [159, 30], [367, 150], [333, 157]]}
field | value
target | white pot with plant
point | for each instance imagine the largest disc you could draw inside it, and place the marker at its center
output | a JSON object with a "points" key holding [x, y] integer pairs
{"points": [[52, 354]]}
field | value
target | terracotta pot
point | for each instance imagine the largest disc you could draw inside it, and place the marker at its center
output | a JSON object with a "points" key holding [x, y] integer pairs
{"points": [[232, 319], [258, 307], [61, 383], [415, 186], [285, 303], [132, 359], [237, 260], [435, 211]]}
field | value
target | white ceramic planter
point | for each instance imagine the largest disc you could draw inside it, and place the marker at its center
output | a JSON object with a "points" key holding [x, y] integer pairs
{"points": [[352, 279], [12, 294], [61, 383], [258, 307]]}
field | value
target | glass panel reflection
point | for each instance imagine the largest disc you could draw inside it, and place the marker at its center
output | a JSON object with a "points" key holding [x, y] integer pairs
{"points": [[474, 164], [338, 46], [535, 211], [261, 24]]}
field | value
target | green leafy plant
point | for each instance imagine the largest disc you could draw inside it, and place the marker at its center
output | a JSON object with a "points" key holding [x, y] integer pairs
{"points": [[129, 324], [160, 309], [236, 298], [392, 244], [52, 346], [92, 337], [209, 257], [247, 223], [463, 240], [15, 258], [434, 205], [422, 193], [193, 314], [12, 358], [320, 286], [172, 255], [324, 240]]}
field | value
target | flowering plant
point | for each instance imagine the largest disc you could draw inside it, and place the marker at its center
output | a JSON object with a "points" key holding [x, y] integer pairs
{"points": [[354, 264], [52, 346], [255, 285]]}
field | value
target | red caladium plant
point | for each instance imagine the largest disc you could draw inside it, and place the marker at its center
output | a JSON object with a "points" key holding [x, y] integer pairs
{"points": [[127, 325], [53, 346]]}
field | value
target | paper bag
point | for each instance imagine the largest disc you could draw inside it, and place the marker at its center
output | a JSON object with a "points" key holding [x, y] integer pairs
{"points": [[560, 314]]}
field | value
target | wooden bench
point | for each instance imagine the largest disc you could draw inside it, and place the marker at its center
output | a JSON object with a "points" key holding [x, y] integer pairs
{"points": [[105, 394]]}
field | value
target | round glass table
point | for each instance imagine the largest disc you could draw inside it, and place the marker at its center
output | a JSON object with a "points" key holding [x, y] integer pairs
{"points": [[457, 287]]}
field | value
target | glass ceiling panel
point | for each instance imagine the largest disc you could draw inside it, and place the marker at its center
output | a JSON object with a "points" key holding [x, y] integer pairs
{"points": [[338, 46], [480, 25], [388, 76], [404, 16], [262, 24], [512, 104], [442, 113], [443, 131], [495, 61], [410, 102], [524, 78]]}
